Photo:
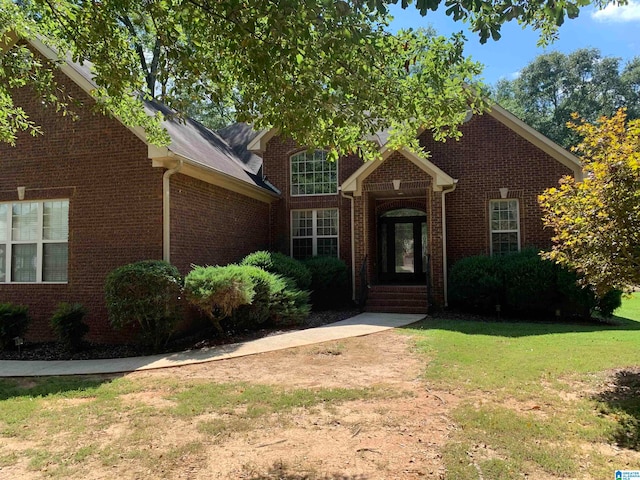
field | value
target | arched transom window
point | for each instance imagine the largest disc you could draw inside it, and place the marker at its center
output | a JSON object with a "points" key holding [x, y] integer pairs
{"points": [[312, 174]]}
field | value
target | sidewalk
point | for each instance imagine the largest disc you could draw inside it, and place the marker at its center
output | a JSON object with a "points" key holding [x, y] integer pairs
{"points": [[363, 324]]}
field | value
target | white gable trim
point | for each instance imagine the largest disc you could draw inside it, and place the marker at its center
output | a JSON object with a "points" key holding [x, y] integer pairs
{"points": [[259, 143], [440, 178], [551, 148]]}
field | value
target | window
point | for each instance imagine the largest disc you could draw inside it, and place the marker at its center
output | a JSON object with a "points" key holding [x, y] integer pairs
{"points": [[314, 233], [505, 226], [34, 241], [312, 174]]}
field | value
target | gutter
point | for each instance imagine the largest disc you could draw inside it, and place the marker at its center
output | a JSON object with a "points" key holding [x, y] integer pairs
{"points": [[353, 246], [444, 242], [166, 210]]}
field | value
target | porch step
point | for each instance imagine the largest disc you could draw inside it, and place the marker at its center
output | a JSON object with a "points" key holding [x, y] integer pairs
{"points": [[397, 299]]}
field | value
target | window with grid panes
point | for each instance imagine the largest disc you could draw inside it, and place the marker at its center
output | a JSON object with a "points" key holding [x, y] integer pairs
{"points": [[314, 233], [312, 174], [34, 241], [505, 226]]}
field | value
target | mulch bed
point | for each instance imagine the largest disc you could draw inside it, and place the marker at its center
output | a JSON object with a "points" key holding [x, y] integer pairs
{"points": [[202, 339]]}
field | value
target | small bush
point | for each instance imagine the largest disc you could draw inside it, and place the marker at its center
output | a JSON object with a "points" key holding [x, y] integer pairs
{"points": [[475, 284], [14, 320], [290, 307], [219, 291], [68, 325], [282, 265], [145, 295], [266, 286], [330, 282], [524, 284]]}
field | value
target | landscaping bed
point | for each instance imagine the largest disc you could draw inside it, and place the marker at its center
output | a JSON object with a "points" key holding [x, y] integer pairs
{"points": [[203, 339]]}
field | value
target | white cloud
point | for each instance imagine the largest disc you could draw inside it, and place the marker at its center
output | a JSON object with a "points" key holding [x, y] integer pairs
{"points": [[624, 13], [514, 75]]}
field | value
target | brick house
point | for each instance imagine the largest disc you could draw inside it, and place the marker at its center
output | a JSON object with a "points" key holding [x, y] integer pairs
{"points": [[90, 195]]}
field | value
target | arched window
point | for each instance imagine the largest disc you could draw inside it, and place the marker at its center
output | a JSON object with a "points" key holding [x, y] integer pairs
{"points": [[312, 174]]}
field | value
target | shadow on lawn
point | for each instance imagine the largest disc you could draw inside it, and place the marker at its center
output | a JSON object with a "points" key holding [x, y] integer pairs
{"points": [[622, 399], [510, 327], [280, 471], [44, 386]]}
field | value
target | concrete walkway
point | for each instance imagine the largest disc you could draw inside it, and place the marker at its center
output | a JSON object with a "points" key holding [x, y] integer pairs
{"points": [[363, 324]]}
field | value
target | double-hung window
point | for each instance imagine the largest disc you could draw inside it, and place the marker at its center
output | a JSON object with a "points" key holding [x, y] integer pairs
{"points": [[314, 233], [312, 174], [505, 226], [34, 241]]}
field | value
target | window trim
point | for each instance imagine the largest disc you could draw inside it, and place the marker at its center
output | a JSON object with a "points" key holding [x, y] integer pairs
{"points": [[492, 231], [40, 241], [310, 194], [315, 236]]}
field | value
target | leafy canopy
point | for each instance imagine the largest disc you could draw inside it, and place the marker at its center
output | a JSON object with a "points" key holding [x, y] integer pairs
{"points": [[323, 72], [597, 221], [555, 85]]}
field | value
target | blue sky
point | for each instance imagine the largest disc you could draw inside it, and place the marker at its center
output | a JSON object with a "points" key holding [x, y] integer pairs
{"points": [[615, 31]]}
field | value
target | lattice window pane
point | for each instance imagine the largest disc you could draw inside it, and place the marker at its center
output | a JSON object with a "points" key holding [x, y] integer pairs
{"points": [[23, 262], [302, 223], [312, 174], [3, 262], [56, 220], [328, 247], [54, 267], [327, 222], [302, 248], [25, 222], [3, 222]]}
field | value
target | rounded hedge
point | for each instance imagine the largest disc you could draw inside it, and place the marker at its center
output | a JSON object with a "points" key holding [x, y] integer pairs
{"points": [[282, 265], [145, 295]]}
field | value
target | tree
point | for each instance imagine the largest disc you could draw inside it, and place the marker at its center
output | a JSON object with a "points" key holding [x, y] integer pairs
{"points": [[596, 221], [555, 85], [323, 72]]}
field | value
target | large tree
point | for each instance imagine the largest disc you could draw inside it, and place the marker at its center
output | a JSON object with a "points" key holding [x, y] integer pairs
{"points": [[325, 72], [555, 85], [596, 221]]}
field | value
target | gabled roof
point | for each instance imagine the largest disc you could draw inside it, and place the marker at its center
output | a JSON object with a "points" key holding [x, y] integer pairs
{"points": [[440, 178], [207, 154], [259, 142]]}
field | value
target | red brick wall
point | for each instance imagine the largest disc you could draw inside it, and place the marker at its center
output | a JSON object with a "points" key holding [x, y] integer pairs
{"points": [[115, 203], [276, 168], [490, 156], [214, 226]]}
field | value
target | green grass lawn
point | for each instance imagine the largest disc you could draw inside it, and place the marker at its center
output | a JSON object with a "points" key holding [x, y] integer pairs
{"points": [[535, 401]]}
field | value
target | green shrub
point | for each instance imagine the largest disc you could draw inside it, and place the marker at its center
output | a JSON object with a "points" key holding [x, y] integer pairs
{"points": [[475, 284], [14, 320], [329, 282], [523, 284], [290, 307], [266, 286], [68, 325], [282, 265], [219, 291], [146, 296]]}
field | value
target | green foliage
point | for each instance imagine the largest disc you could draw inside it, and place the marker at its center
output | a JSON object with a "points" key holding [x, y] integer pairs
{"points": [[14, 320], [282, 265], [330, 282], [145, 295], [266, 286], [555, 85], [474, 283], [524, 285], [68, 325], [596, 221], [218, 291], [245, 296]]}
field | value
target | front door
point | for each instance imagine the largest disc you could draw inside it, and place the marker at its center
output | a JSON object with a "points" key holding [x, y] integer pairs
{"points": [[402, 247]]}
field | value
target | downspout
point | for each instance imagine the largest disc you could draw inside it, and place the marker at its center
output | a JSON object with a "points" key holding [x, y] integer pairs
{"points": [[166, 210], [353, 246], [444, 242]]}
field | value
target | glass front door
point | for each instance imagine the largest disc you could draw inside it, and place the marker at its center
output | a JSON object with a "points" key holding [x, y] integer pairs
{"points": [[402, 248]]}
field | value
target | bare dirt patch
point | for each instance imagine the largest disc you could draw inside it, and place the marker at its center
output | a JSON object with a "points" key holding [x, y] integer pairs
{"points": [[398, 436]]}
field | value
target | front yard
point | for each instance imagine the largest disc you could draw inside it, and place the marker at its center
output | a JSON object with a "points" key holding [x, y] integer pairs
{"points": [[447, 398]]}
